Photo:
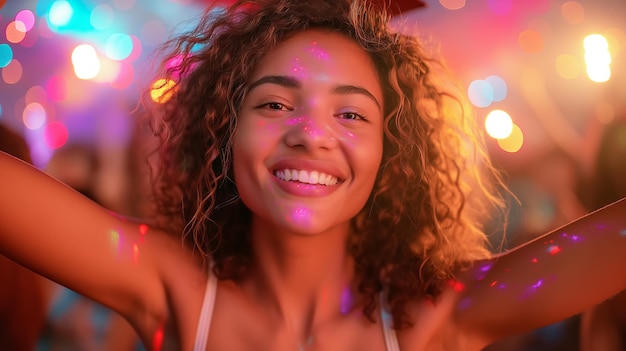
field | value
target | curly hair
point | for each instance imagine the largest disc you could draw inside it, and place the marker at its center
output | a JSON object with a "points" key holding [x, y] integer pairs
{"points": [[435, 185]]}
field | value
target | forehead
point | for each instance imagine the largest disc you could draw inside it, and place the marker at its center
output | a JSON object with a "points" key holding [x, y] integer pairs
{"points": [[322, 56]]}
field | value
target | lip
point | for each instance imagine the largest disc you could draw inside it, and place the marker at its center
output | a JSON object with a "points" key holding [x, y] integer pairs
{"points": [[303, 189]]}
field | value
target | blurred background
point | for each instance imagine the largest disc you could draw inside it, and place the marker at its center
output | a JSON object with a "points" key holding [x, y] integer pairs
{"points": [[547, 80]]}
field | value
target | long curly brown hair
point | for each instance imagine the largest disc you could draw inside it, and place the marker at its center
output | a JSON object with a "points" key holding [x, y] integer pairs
{"points": [[422, 222]]}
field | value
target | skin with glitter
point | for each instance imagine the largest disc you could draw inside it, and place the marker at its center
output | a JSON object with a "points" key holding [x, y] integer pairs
{"points": [[311, 162]]}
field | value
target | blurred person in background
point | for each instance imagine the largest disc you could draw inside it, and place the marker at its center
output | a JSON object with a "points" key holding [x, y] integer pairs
{"points": [[74, 322], [603, 328]]}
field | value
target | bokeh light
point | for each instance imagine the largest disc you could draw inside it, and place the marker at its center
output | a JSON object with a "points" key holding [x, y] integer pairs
{"points": [[480, 93], [15, 32], [102, 17], [514, 142], [86, 62], [567, 66], [452, 4], [531, 41], [573, 12], [60, 13], [498, 86], [162, 90], [34, 116], [6, 55], [597, 58], [27, 18], [118, 46], [498, 124], [56, 88], [55, 134], [136, 49], [604, 112], [12, 73], [35, 94]]}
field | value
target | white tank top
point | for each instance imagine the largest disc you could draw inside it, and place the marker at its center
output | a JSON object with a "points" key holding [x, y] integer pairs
{"points": [[208, 305]]}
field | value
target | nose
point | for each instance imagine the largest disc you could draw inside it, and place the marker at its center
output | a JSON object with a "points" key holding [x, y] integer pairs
{"points": [[310, 132]]}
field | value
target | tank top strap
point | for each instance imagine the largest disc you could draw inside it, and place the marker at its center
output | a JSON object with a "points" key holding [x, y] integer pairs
{"points": [[391, 339], [206, 314]]}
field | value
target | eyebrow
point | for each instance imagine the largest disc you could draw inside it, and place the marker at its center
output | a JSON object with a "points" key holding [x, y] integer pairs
{"points": [[294, 83]]}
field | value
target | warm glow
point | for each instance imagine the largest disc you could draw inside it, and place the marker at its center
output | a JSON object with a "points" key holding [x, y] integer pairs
{"points": [[86, 62], [452, 4], [597, 58], [498, 124], [531, 41], [162, 90], [573, 12], [514, 142], [567, 66]]}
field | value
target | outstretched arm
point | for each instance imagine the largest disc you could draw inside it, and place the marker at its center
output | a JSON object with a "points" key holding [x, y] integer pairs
{"points": [[55, 231], [548, 279]]}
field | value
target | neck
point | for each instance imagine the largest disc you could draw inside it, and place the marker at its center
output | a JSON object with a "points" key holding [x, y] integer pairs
{"points": [[304, 279]]}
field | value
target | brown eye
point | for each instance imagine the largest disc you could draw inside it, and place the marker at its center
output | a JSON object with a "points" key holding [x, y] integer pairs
{"points": [[352, 116], [275, 106]]}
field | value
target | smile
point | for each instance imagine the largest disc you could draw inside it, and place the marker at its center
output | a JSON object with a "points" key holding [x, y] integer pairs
{"points": [[313, 177]]}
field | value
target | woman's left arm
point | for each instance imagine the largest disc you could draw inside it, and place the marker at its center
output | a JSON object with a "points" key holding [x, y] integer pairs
{"points": [[548, 279]]}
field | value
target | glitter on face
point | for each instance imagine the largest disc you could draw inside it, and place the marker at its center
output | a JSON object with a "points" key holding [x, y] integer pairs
{"points": [[318, 52], [301, 216]]}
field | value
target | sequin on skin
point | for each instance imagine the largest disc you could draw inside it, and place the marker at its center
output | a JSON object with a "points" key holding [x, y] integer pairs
{"points": [[554, 249], [114, 240]]}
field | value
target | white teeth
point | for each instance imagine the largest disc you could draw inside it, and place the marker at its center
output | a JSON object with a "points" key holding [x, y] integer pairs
{"points": [[303, 177], [313, 177]]}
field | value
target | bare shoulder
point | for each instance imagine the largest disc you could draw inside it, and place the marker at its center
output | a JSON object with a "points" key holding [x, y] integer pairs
{"points": [[171, 296]]}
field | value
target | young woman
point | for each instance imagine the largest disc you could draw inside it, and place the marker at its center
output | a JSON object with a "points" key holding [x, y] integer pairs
{"points": [[327, 196]]}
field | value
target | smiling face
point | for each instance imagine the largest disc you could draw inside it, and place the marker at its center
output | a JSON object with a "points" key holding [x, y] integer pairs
{"points": [[309, 135]]}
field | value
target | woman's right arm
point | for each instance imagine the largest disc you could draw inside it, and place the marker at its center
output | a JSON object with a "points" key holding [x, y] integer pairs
{"points": [[53, 230]]}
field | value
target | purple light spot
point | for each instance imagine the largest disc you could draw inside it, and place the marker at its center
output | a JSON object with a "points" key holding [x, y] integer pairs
{"points": [[531, 290], [464, 303], [486, 267], [345, 301], [301, 216], [500, 7], [481, 273]]}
